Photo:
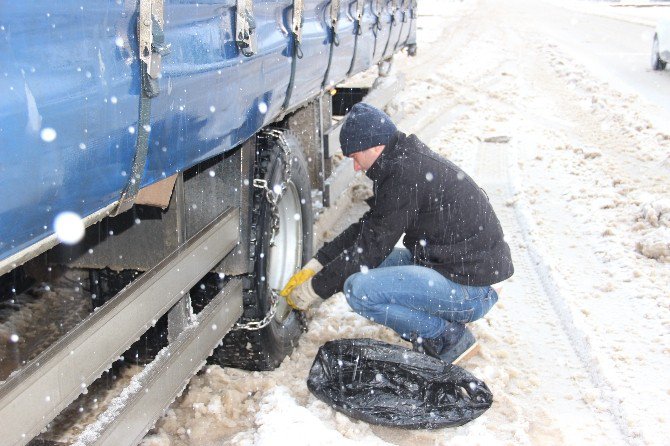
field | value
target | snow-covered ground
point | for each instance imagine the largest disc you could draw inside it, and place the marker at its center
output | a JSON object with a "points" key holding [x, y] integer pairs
{"points": [[578, 348]]}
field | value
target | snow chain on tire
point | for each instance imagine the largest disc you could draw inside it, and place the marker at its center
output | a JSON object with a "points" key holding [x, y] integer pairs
{"points": [[272, 196]]}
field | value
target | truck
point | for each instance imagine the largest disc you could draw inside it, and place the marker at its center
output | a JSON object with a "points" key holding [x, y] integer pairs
{"points": [[173, 154]]}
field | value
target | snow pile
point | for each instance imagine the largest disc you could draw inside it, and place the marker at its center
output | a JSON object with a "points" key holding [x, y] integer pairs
{"points": [[656, 245], [655, 242], [657, 213], [247, 408], [299, 424]]}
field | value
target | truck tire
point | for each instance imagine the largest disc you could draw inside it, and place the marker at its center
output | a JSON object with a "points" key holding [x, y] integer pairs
{"points": [[656, 63], [265, 349]]}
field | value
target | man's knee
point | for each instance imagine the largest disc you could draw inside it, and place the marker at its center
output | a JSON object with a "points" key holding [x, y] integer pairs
{"points": [[355, 293]]}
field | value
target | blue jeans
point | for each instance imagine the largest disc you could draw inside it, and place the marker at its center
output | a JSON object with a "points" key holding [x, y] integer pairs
{"points": [[414, 299]]}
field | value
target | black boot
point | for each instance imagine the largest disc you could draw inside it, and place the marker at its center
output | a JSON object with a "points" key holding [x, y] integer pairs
{"points": [[450, 347]]}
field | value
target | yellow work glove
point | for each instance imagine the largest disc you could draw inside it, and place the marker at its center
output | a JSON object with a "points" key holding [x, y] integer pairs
{"points": [[298, 278], [310, 269], [303, 296]]}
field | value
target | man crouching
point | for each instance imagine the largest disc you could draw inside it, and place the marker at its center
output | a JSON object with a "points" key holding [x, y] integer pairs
{"points": [[454, 247]]}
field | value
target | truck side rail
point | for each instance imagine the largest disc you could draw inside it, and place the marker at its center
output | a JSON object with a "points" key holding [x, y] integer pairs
{"points": [[35, 394]]}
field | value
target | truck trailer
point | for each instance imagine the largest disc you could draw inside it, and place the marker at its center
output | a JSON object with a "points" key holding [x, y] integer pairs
{"points": [[175, 152]]}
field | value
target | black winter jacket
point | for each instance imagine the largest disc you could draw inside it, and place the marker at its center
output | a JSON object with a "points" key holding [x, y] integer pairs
{"points": [[447, 219]]}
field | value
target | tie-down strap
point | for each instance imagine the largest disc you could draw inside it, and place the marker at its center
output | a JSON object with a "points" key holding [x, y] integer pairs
{"points": [[152, 48]]}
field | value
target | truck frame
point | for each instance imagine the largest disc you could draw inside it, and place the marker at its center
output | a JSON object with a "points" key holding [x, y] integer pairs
{"points": [[194, 141]]}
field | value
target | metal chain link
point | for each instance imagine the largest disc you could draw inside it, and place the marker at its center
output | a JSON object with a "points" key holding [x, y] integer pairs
{"points": [[273, 196], [257, 325]]}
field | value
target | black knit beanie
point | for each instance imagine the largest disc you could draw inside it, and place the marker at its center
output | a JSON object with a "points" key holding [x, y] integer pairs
{"points": [[364, 127]]}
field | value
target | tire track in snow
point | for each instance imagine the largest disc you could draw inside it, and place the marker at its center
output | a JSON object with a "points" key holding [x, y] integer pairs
{"points": [[540, 303], [551, 292], [533, 300], [617, 344], [536, 277]]}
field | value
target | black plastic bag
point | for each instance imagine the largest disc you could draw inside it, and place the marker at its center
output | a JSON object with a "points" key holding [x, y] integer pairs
{"points": [[392, 386]]}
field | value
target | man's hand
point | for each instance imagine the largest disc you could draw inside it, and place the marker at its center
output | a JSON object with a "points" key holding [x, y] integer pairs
{"points": [[296, 280], [309, 270], [303, 296]]}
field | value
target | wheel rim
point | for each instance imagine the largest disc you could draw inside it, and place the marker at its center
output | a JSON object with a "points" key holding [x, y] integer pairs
{"points": [[285, 257]]}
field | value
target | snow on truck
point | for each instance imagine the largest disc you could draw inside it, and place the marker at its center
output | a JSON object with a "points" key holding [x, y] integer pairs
{"points": [[171, 150]]}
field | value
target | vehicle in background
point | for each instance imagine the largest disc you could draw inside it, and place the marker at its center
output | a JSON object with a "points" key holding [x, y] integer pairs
{"points": [[660, 48]]}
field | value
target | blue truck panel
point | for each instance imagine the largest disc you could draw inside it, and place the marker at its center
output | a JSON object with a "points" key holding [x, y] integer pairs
{"points": [[406, 21], [382, 31], [69, 98], [342, 53], [395, 30], [364, 47], [213, 97], [314, 49], [70, 77]]}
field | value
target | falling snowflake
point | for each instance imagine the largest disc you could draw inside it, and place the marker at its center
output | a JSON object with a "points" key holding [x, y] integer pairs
{"points": [[48, 134], [69, 227]]}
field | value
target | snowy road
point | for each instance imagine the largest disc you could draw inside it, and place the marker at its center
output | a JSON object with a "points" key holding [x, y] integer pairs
{"points": [[577, 351], [616, 46]]}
